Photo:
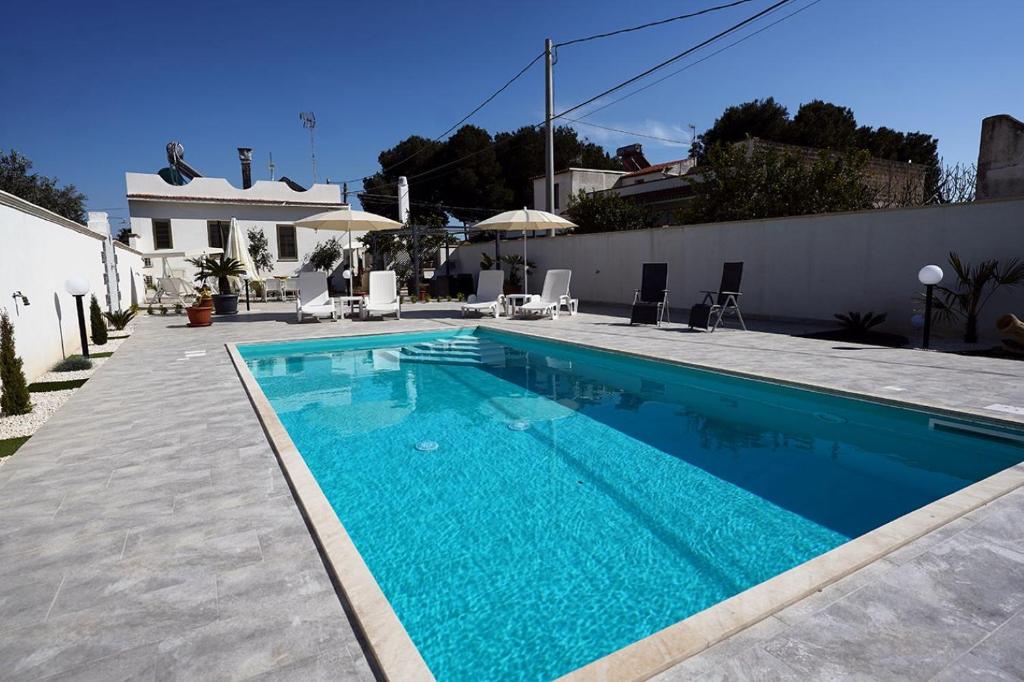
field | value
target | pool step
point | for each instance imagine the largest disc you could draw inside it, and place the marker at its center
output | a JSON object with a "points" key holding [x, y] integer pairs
{"points": [[459, 351]]}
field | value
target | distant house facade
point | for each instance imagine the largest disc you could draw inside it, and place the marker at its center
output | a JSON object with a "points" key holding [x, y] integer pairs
{"points": [[196, 215], [666, 187]]}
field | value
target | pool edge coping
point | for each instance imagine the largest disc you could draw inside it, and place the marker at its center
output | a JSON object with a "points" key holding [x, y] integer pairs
{"points": [[672, 645], [389, 645]]}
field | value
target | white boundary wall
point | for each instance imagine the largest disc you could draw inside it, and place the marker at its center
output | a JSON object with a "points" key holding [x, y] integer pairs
{"points": [[806, 267], [39, 250]]}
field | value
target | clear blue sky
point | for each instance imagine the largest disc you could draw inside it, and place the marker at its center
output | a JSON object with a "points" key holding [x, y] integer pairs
{"points": [[91, 90]]}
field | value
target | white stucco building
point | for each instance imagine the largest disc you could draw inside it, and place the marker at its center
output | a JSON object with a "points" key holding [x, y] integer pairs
{"points": [[197, 215]]}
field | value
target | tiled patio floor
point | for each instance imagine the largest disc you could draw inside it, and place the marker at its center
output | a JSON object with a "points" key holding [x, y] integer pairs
{"points": [[146, 532]]}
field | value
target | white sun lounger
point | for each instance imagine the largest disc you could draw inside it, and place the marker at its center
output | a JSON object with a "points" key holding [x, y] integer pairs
{"points": [[312, 298], [383, 297], [489, 296], [554, 295]]}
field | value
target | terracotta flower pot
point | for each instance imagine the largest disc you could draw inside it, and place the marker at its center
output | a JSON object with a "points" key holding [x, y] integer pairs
{"points": [[199, 317], [204, 302]]}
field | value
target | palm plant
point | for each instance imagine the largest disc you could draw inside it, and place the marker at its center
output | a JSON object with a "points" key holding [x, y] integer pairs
{"points": [[859, 323], [119, 319], [223, 269], [974, 287], [514, 261]]}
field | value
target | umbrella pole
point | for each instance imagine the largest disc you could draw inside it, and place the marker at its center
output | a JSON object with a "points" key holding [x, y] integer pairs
{"points": [[350, 274], [525, 290], [247, 295]]}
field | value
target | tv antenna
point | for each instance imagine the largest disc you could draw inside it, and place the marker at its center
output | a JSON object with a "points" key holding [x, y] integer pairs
{"points": [[271, 166], [309, 122]]}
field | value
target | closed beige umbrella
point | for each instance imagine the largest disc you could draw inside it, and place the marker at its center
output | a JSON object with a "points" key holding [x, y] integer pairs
{"points": [[524, 220], [349, 220]]}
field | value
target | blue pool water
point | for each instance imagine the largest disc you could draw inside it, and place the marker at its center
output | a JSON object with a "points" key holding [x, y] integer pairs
{"points": [[528, 507]]}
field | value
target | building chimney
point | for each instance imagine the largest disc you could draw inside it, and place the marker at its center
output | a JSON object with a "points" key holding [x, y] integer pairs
{"points": [[245, 156]]}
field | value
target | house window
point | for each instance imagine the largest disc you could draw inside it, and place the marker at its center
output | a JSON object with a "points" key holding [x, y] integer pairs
{"points": [[217, 233], [557, 206], [162, 235], [287, 246]]}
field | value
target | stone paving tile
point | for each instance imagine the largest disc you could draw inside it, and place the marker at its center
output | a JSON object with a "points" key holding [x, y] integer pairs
{"points": [[997, 657], [153, 494], [885, 633]]}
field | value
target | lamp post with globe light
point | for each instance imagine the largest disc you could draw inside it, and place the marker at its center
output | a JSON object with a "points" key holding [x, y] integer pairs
{"points": [[929, 276], [78, 287]]}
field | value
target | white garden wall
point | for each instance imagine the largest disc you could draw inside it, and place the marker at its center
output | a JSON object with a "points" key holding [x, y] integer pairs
{"points": [[39, 250], [806, 267]]}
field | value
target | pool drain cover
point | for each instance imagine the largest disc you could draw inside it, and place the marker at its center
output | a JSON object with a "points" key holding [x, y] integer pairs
{"points": [[519, 425], [427, 445]]}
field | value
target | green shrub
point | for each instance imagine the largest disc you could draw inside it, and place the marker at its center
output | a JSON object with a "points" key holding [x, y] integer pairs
{"points": [[120, 319], [47, 386], [14, 398], [73, 363], [99, 327]]}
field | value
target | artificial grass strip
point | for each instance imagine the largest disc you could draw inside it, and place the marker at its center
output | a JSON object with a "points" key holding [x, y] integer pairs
{"points": [[9, 446], [45, 386], [101, 355]]}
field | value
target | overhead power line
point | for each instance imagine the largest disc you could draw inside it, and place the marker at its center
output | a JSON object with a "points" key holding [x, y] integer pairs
{"points": [[463, 119], [675, 58], [627, 132], [448, 167], [652, 23], [701, 60]]}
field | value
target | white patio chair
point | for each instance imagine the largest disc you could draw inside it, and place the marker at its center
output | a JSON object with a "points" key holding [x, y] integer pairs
{"points": [[313, 299], [273, 288], [489, 296], [176, 289], [291, 287], [554, 295], [383, 296]]}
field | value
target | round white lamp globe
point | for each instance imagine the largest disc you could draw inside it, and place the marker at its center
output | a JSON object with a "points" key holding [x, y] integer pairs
{"points": [[347, 274], [930, 275], [77, 285]]}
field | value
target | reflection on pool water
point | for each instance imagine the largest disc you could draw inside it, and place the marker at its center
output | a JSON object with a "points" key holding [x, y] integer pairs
{"points": [[528, 507]]}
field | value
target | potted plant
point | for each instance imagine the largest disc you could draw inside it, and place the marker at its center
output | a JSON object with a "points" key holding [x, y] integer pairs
{"points": [[224, 302], [201, 311]]}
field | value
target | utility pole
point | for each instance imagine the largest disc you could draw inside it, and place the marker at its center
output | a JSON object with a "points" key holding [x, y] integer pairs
{"points": [[549, 131]]}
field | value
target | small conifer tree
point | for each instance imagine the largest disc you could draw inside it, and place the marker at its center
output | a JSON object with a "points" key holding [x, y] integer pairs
{"points": [[96, 321], [14, 397]]}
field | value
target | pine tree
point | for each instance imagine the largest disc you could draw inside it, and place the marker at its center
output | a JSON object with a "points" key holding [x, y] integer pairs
{"points": [[99, 327], [14, 398]]}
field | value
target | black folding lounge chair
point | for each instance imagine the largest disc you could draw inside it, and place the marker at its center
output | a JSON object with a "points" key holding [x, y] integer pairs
{"points": [[725, 300], [650, 301]]}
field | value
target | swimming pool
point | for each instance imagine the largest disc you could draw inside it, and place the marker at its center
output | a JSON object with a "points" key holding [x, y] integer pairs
{"points": [[528, 506]]}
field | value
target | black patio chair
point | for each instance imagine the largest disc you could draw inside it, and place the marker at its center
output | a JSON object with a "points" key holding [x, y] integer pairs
{"points": [[717, 304], [650, 301]]}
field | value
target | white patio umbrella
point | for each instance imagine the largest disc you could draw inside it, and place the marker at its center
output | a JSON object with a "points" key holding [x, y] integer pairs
{"points": [[238, 248], [349, 220], [525, 220]]}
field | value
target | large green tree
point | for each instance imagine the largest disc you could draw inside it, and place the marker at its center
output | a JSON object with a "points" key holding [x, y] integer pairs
{"points": [[17, 178], [607, 212], [472, 174], [770, 183]]}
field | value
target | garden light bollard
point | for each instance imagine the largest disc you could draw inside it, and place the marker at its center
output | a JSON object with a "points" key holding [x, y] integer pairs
{"points": [[78, 287], [929, 276]]}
